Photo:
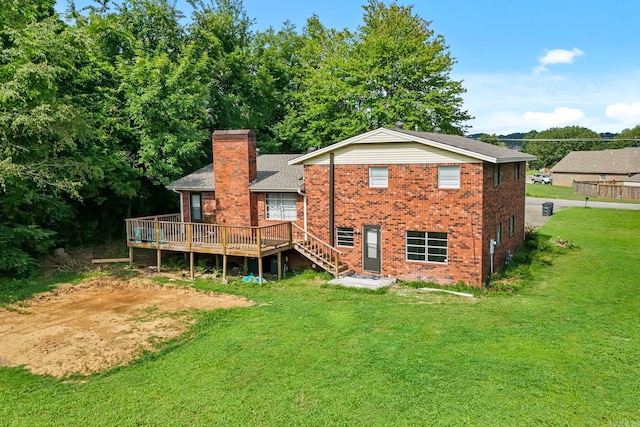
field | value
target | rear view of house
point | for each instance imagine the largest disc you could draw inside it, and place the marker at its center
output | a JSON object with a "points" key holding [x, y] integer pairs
{"points": [[408, 204], [417, 205]]}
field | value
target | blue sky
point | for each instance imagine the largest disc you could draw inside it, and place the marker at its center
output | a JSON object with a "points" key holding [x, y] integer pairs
{"points": [[526, 64]]}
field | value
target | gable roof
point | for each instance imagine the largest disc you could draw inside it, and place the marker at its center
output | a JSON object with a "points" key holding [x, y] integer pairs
{"points": [[274, 174], [620, 161], [452, 143]]}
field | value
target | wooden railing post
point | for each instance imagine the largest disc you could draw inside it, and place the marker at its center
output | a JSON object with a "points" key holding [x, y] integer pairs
{"points": [[224, 239], [337, 262], [290, 233], [189, 235], [259, 241]]}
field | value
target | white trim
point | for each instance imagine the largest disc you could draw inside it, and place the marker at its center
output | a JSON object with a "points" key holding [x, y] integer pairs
{"points": [[390, 135]]}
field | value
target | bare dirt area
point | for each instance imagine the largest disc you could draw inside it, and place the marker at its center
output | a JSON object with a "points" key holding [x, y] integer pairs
{"points": [[99, 324]]}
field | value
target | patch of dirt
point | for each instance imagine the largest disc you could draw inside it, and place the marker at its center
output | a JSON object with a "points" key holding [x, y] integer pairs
{"points": [[99, 324]]}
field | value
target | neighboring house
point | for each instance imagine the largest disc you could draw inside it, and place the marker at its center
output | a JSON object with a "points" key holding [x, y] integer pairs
{"points": [[605, 165], [413, 205]]}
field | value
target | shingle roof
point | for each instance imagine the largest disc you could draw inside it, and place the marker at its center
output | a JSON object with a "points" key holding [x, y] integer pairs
{"points": [[274, 174], [501, 154], [200, 180], [454, 143], [621, 161]]}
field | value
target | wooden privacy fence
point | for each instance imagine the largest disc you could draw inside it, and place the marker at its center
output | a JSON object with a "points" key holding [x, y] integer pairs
{"points": [[606, 189]]}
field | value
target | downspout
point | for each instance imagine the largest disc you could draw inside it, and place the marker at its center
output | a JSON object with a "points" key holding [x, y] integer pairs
{"points": [[304, 210], [331, 197], [181, 204]]}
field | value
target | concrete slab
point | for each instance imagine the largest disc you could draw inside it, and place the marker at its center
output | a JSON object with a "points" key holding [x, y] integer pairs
{"points": [[364, 282]]}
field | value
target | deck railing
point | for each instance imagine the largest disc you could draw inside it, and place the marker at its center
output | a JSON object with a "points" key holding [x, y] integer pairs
{"points": [[167, 232]]}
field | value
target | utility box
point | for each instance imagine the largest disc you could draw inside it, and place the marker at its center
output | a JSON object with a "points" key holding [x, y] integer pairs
{"points": [[547, 209]]}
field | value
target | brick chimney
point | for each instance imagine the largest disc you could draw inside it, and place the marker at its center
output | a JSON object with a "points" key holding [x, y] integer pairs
{"points": [[234, 165]]}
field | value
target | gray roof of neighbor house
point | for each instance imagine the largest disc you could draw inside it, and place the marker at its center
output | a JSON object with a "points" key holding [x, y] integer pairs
{"points": [[453, 143], [620, 161], [274, 174]]}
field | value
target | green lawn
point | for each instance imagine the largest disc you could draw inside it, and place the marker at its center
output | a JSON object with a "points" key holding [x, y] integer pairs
{"points": [[558, 192], [564, 351]]}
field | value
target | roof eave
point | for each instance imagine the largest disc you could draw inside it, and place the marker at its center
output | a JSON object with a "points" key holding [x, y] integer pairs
{"points": [[420, 140], [189, 188], [275, 190]]}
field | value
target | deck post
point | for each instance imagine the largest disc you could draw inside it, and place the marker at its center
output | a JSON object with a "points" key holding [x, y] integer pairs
{"points": [[191, 263], [291, 233], [224, 268], [189, 235], [159, 259], [130, 256], [279, 265], [260, 269], [337, 261]]}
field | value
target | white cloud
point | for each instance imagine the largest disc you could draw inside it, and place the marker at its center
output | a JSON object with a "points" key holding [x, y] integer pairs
{"points": [[557, 56], [519, 102], [626, 113], [561, 116]]}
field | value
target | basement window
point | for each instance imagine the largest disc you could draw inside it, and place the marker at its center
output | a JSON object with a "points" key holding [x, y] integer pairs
{"points": [[427, 246], [344, 236], [281, 206]]}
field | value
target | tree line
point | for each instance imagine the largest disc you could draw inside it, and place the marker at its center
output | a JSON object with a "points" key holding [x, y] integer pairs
{"points": [[552, 145], [102, 107]]}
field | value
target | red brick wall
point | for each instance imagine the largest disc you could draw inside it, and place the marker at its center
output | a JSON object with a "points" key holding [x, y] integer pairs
{"points": [[412, 201], [234, 159], [501, 202], [207, 200], [262, 212]]}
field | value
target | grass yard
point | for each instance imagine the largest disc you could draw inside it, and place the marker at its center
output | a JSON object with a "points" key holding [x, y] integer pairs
{"points": [[564, 351], [566, 193]]}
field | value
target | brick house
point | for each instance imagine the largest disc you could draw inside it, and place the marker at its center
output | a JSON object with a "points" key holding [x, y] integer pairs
{"points": [[413, 205]]}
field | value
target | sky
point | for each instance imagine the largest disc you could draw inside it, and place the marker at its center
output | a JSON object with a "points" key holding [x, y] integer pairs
{"points": [[526, 65]]}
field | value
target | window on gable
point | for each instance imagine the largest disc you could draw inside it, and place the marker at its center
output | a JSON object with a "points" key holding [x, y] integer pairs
{"points": [[516, 171], [281, 206], [379, 176], [497, 175], [512, 225], [344, 236], [449, 177], [427, 246]]}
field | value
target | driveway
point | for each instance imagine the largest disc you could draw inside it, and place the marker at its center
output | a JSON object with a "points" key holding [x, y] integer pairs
{"points": [[533, 208]]}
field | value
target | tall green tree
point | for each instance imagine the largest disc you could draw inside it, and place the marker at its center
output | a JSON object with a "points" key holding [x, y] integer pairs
{"points": [[555, 143], [394, 67]]}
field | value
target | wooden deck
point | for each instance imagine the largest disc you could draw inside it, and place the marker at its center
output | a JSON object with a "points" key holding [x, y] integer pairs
{"points": [[167, 232]]}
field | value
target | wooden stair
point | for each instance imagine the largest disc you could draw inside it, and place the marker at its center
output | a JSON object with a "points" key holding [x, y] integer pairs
{"points": [[319, 252]]}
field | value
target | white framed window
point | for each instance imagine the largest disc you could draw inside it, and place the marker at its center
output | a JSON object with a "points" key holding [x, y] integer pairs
{"points": [[281, 206], [195, 207], [498, 233], [344, 236], [449, 177], [512, 225], [379, 176], [427, 246]]}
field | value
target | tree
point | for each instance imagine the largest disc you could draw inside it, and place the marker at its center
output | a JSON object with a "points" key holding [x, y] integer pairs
{"points": [[491, 139], [392, 68], [626, 138], [556, 143]]}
